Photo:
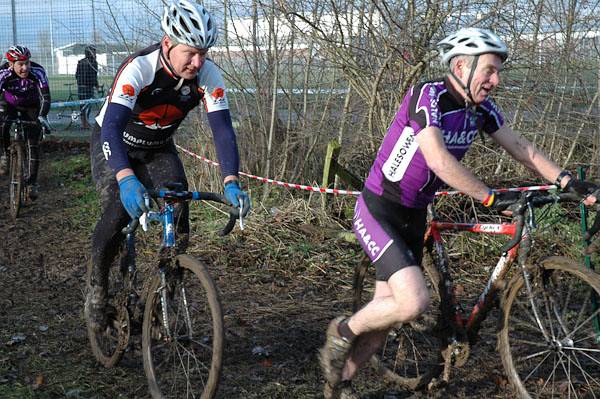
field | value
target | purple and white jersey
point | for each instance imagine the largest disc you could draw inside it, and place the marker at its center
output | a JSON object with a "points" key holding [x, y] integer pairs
{"points": [[24, 92], [400, 172]]}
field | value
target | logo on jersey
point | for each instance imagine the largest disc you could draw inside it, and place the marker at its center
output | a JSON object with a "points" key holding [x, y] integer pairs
{"points": [[106, 150], [127, 93], [185, 90], [218, 94], [402, 153], [433, 104], [369, 244], [461, 139], [160, 117], [128, 90]]}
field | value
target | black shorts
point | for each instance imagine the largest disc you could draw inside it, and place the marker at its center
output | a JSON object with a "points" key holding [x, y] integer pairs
{"points": [[390, 234]]}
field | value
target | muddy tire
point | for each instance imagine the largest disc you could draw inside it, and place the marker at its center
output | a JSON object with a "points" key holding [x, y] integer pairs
{"points": [[17, 179], [185, 360], [108, 346], [559, 355]]}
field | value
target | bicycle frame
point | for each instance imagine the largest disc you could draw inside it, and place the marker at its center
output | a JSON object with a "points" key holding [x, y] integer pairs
{"points": [[166, 217], [470, 325]]}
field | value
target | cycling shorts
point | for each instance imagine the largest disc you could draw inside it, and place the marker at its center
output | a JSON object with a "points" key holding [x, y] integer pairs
{"points": [[390, 234]]}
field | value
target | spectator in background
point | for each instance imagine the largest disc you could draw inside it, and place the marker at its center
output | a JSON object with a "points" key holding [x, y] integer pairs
{"points": [[87, 81]]}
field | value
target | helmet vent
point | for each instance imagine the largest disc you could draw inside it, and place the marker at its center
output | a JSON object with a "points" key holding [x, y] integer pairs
{"points": [[184, 26]]}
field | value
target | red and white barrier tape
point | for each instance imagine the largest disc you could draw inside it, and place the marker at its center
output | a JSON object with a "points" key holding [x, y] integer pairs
{"points": [[348, 192], [276, 182]]}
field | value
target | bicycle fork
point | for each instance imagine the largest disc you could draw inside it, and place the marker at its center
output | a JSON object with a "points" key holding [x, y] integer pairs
{"points": [[169, 244], [164, 302]]}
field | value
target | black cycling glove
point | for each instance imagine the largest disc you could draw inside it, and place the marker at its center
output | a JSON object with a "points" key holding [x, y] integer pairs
{"points": [[502, 200], [580, 187]]}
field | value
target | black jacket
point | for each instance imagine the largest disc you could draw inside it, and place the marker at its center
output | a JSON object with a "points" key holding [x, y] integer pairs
{"points": [[87, 72]]}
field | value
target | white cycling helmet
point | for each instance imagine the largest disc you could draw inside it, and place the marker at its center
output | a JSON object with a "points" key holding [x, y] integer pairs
{"points": [[471, 41], [187, 22]]}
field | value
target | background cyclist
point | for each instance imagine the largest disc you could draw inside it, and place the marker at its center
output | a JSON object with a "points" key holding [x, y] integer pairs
{"points": [[23, 87], [132, 146], [431, 132]]}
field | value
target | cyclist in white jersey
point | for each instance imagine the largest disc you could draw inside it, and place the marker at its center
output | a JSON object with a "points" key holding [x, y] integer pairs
{"points": [[431, 132], [132, 146]]}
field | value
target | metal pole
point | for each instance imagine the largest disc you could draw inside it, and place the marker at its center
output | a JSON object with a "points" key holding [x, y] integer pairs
{"points": [[14, 21], [94, 34], [52, 39]]}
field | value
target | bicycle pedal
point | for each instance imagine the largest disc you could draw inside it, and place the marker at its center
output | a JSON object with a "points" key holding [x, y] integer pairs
{"points": [[438, 385]]}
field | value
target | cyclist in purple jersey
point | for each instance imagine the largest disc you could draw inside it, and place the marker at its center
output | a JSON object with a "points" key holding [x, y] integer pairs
{"points": [[23, 87], [431, 132]]}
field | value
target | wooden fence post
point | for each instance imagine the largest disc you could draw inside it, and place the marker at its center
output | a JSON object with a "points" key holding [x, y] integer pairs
{"points": [[331, 168]]}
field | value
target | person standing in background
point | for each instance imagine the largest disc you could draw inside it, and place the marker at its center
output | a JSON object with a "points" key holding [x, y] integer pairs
{"points": [[87, 80]]}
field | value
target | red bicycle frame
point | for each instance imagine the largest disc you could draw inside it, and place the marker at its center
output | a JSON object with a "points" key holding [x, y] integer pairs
{"points": [[471, 324]]}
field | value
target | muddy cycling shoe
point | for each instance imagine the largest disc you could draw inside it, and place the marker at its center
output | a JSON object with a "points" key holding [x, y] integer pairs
{"points": [[333, 355], [33, 192], [342, 390], [3, 165], [95, 309]]}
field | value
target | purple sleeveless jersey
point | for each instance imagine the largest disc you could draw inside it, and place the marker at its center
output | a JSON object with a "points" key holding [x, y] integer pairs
{"points": [[400, 172]]}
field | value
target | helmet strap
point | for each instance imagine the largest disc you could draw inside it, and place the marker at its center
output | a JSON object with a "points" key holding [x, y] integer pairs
{"points": [[167, 58], [467, 87], [170, 67]]}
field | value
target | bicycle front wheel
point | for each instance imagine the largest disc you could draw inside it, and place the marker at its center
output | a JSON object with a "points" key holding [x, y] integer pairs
{"points": [[17, 179], [182, 334], [549, 337]]}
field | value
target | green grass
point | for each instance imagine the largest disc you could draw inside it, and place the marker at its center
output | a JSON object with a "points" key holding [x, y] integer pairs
{"points": [[59, 89], [74, 174]]}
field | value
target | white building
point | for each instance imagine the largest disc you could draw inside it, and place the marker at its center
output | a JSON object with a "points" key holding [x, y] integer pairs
{"points": [[109, 57]]}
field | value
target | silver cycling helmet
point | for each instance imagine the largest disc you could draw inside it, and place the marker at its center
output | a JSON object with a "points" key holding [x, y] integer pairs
{"points": [[187, 22], [471, 41]]}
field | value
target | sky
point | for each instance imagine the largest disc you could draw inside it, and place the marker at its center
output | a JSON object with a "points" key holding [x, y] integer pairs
{"points": [[73, 21]]}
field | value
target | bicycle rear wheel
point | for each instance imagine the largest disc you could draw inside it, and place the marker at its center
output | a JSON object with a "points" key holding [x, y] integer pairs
{"points": [[411, 356], [17, 179], [548, 341], [183, 361], [109, 345]]}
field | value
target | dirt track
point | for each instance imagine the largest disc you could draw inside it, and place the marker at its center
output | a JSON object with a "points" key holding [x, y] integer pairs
{"points": [[277, 298]]}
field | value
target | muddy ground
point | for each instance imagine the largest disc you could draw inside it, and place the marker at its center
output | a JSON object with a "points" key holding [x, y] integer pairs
{"points": [[281, 281]]}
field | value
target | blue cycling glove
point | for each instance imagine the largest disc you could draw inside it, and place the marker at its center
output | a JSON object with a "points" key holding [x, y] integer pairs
{"points": [[233, 192], [132, 196]]}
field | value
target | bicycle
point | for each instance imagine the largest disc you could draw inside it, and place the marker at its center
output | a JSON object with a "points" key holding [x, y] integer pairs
{"points": [[19, 164], [72, 109], [179, 312], [543, 353]]}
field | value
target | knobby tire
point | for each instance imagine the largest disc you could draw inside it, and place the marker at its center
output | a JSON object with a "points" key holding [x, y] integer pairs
{"points": [[568, 364], [189, 365]]}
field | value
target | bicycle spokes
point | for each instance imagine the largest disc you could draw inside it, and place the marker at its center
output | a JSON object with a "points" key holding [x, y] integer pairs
{"points": [[180, 355], [551, 333]]}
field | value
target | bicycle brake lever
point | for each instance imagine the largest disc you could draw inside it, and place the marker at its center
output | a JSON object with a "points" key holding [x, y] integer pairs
{"points": [[241, 213], [144, 221], [531, 217]]}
